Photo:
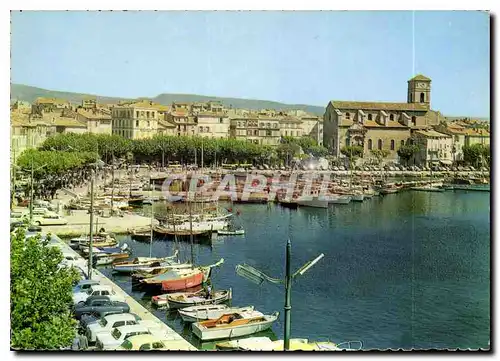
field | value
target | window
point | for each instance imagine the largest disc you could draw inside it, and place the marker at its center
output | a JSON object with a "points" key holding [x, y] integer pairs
{"points": [[411, 98], [391, 117], [369, 117], [149, 123], [276, 125], [413, 120], [380, 144], [347, 116], [370, 144], [347, 142], [147, 114], [220, 120], [286, 132], [137, 114], [119, 323], [268, 133], [402, 143], [142, 114], [393, 144], [422, 98]]}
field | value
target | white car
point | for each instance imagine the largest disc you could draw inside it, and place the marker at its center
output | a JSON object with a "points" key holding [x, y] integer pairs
{"points": [[112, 340], [73, 260], [97, 290], [109, 322], [50, 219]]}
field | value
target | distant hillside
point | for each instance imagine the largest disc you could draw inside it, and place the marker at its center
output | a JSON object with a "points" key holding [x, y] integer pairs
{"points": [[29, 93]]}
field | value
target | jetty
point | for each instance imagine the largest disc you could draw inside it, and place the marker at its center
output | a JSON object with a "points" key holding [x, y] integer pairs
{"points": [[173, 341]]}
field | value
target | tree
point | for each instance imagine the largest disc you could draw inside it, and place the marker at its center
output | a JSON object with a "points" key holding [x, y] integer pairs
{"points": [[475, 154], [41, 295], [352, 152], [407, 151], [380, 154]]}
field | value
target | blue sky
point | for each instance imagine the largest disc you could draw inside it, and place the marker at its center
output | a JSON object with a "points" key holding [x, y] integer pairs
{"points": [[292, 57]]}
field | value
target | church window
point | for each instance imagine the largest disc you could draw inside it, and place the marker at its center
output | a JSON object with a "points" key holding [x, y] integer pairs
{"points": [[392, 144], [347, 116], [422, 97], [370, 145], [369, 117], [391, 117], [380, 144], [414, 120]]}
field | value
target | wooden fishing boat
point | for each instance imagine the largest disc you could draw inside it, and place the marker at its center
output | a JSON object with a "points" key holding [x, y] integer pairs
{"points": [[180, 279], [233, 325], [141, 235], [314, 202], [143, 262], [168, 232], [209, 312], [187, 299]]}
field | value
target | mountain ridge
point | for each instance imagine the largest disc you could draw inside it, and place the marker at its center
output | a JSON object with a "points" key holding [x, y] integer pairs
{"points": [[30, 93]]}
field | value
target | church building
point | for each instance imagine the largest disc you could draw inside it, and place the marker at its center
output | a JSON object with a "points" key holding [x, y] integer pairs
{"points": [[379, 125]]}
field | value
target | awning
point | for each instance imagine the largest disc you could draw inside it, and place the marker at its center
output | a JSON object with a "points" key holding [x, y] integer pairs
{"points": [[448, 162]]}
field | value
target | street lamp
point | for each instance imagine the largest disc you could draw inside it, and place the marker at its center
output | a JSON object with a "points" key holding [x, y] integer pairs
{"points": [[254, 275]]}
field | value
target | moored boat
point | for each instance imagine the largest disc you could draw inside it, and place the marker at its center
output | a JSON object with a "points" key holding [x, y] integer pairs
{"points": [[233, 325], [427, 189], [209, 312], [229, 232], [143, 262], [187, 299]]}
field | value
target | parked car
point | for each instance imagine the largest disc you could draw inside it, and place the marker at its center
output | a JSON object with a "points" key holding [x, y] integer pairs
{"points": [[50, 219], [112, 340], [93, 317], [99, 303], [84, 285], [97, 290], [142, 343], [108, 322]]}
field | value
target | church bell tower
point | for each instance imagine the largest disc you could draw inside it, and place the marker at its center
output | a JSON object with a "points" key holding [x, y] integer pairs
{"points": [[419, 90]]}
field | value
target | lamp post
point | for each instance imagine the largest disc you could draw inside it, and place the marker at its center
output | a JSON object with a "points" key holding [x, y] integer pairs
{"points": [[256, 276]]}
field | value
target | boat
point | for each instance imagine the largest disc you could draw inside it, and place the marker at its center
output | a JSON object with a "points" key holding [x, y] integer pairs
{"points": [[339, 199], [164, 231], [180, 279], [427, 188], [229, 232], [288, 204], [296, 344], [187, 299], [136, 201], [209, 312], [143, 262], [314, 202], [233, 325]]}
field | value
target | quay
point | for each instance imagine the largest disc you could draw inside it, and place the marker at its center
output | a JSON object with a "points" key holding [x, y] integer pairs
{"points": [[173, 340]]}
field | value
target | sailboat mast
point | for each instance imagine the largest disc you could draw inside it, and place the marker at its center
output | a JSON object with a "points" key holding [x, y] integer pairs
{"points": [[191, 233], [152, 216]]}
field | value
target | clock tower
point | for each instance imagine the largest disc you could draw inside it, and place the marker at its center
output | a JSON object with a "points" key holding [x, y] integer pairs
{"points": [[419, 90]]}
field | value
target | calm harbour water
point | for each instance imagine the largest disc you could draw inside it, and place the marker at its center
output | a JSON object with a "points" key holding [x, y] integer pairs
{"points": [[408, 270]]}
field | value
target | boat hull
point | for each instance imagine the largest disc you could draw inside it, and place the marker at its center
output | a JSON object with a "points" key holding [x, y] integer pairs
{"points": [[209, 313], [206, 334], [182, 283], [314, 203], [231, 233]]}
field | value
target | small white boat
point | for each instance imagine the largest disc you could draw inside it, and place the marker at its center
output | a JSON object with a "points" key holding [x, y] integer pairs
{"points": [[340, 199], [143, 262], [234, 325], [226, 232], [427, 189], [209, 312], [313, 202]]}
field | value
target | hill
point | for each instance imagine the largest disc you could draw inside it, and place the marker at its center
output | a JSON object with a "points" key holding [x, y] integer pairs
{"points": [[29, 93]]}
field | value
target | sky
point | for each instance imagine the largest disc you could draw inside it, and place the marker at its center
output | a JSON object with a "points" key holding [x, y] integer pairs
{"points": [[302, 57]]}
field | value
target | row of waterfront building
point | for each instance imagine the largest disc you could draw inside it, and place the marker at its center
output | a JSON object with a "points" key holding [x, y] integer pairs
{"points": [[371, 125]]}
